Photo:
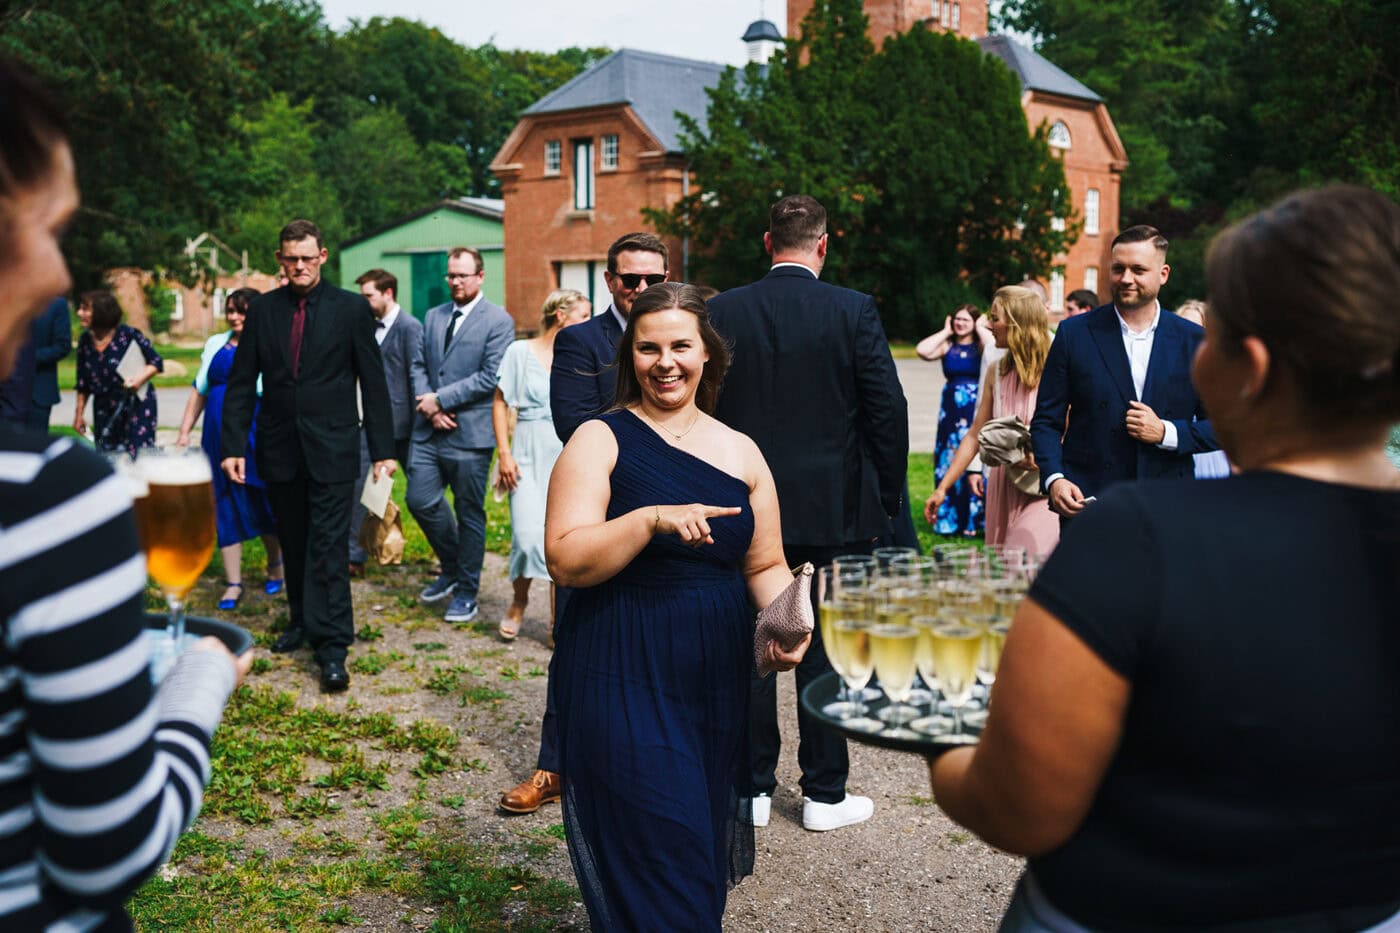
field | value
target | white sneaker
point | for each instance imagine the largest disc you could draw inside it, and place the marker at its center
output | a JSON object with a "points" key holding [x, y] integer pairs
{"points": [[762, 809], [820, 817]]}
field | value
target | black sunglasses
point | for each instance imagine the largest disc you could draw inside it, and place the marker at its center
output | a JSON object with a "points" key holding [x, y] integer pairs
{"points": [[631, 280]]}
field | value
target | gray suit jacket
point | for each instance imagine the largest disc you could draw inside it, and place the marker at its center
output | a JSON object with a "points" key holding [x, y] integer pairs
{"points": [[402, 345], [464, 377]]}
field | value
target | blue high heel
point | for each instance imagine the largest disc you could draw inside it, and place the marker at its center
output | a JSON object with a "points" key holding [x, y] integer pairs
{"points": [[273, 586], [227, 604]]}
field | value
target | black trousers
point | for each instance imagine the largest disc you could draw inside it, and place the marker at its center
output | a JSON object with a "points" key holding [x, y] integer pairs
{"points": [[313, 520], [821, 754], [549, 729]]}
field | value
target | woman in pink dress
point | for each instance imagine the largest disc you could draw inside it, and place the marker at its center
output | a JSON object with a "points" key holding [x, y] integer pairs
{"points": [[1014, 518]]}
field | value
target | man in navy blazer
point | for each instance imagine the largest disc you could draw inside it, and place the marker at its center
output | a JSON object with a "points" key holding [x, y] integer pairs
{"points": [[52, 334], [582, 380], [582, 384], [813, 384], [1116, 400], [454, 379]]}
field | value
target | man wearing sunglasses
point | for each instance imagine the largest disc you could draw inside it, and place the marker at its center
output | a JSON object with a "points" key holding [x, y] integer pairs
{"points": [[582, 383]]}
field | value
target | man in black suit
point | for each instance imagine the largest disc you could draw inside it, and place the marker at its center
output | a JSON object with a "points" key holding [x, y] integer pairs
{"points": [[310, 341], [814, 385], [582, 383], [52, 334], [400, 339]]}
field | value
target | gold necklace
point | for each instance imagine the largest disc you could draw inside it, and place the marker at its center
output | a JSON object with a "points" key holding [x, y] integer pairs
{"points": [[693, 422]]}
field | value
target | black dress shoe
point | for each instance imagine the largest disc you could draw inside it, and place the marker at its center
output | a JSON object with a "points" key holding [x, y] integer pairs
{"points": [[290, 640], [334, 677]]}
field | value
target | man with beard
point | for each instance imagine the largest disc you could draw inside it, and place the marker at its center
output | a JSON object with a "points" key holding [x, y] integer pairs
{"points": [[1116, 401]]}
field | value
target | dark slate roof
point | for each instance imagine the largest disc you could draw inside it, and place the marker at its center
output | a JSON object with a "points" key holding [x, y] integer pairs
{"points": [[1036, 72], [762, 29], [655, 85]]}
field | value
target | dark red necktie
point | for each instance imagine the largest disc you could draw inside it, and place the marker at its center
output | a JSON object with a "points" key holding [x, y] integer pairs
{"points": [[298, 327]]}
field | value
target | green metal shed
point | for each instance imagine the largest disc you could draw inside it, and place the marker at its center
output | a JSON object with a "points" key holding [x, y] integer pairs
{"points": [[414, 249]]}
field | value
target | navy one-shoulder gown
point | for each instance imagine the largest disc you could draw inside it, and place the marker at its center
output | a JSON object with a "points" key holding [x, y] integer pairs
{"points": [[653, 685]]}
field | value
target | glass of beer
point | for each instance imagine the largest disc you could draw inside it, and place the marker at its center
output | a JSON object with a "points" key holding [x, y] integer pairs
{"points": [[174, 507]]}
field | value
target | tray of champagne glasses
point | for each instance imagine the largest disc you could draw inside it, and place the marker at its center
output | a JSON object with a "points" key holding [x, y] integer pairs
{"points": [[925, 732]]}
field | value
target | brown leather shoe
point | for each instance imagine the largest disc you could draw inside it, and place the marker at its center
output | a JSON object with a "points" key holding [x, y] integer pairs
{"points": [[541, 788], [357, 569]]}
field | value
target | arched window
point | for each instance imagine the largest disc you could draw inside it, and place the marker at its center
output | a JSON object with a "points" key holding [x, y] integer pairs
{"points": [[1059, 135]]}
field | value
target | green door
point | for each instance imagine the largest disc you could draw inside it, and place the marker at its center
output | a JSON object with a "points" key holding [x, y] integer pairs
{"points": [[429, 272]]}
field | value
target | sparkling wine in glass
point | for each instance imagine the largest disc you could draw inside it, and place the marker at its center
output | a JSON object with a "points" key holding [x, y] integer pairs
{"points": [[892, 647], [957, 647], [838, 592], [851, 639]]}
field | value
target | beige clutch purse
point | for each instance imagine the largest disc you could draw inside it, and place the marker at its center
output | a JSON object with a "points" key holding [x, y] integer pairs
{"points": [[787, 620]]}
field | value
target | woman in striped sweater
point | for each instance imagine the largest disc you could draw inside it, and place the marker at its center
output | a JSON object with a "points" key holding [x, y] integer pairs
{"points": [[99, 775]]}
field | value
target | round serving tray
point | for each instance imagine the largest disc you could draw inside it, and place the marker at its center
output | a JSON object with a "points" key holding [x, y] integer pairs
{"points": [[823, 690]]}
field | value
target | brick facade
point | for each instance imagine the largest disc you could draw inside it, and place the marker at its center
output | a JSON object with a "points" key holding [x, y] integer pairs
{"points": [[891, 17], [543, 229]]}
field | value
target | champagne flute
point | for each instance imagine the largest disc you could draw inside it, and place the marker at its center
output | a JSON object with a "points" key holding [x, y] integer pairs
{"points": [[886, 555], [957, 647], [836, 596], [175, 522], [892, 648], [851, 638]]}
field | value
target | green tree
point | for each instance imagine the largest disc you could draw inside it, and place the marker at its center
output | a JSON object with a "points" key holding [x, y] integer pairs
{"points": [[935, 192], [376, 169]]}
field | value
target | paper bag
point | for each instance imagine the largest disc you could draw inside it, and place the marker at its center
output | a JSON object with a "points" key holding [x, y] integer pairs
{"points": [[376, 494], [382, 537]]}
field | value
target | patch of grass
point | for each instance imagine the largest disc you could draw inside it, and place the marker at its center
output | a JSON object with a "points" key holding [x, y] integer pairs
{"points": [[372, 663], [480, 694], [958, 837], [918, 801], [453, 801], [369, 632], [260, 666], [429, 646], [443, 681], [536, 671]]}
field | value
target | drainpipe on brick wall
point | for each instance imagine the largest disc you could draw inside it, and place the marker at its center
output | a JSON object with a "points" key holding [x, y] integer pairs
{"points": [[685, 241]]}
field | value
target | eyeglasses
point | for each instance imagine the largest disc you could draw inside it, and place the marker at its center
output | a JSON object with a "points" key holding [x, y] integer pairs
{"points": [[631, 280], [455, 276]]}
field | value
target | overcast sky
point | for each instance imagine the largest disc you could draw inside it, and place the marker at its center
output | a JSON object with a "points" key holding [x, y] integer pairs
{"points": [[708, 30]]}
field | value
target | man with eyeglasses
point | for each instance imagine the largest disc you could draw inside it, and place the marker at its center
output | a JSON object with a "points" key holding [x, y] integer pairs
{"points": [[310, 342], [582, 383], [454, 380]]}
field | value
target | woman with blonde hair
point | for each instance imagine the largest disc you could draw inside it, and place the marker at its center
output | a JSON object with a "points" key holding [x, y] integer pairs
{"points": [[525, 461], [1014, 518]]}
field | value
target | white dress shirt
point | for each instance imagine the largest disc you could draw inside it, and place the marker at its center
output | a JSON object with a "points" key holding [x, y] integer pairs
{"points": [[381, 328], [1138, 346]]}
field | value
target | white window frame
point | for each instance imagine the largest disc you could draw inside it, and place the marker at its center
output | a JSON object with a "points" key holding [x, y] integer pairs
{"points": [[1091, 212], [947, 14], [1059, 137], [553, 157], [607, 158], [1057, 290], [957, 16], [1091, 278], [583, 175]]}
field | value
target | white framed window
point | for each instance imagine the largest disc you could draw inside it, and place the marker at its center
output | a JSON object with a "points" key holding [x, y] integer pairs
{"points": [[1091, 212], [1057, 291], [937, 10], [609, 153], [177, 313], [947, 14], [1091, 278], [1059, 135], [957, 16], [553, 156], [583, 174]]}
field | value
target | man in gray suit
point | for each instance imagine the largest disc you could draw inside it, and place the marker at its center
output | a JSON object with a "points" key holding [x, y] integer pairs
{"points": [[400, 339], [454, 380]]}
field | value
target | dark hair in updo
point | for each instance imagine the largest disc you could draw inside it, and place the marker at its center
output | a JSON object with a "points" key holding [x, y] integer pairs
{"points": [[1316, 278], [106, 313], [664, 297]]}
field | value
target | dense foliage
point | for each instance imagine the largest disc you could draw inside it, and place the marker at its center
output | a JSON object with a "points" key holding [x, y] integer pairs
{"points": [[935, 189], [233, 116]]}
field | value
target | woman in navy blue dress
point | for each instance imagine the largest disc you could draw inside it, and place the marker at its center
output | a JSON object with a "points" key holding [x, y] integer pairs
{"points": [[242, 511], [959, 345], [123, 417], [665, 522]]}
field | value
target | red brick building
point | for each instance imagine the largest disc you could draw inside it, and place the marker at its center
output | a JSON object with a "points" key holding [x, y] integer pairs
{"points": [[585, 160]]}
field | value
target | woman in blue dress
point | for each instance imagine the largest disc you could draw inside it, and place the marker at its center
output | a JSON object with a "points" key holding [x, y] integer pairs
{"points": [[123, 417], [242, 511], [525, 461], [959, 345], [666, 524]]}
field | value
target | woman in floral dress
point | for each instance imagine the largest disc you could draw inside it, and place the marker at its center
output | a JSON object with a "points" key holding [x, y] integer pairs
{"points": [[123, 416]]}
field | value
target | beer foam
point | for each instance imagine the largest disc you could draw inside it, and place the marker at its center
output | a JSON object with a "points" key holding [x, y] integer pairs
{"points": [[190, 470]]}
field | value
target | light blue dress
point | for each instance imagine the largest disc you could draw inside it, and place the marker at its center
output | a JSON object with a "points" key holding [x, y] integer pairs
{"points": [[524, 382]]}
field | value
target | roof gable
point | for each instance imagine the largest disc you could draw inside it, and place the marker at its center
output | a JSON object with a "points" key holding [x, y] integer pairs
{"points": [[655, 86], [1036, 72]]}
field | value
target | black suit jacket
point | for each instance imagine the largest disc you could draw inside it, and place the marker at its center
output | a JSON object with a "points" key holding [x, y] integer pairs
{"points": [[814, 385], [310, 418], [583, 380], [53, 340]]}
